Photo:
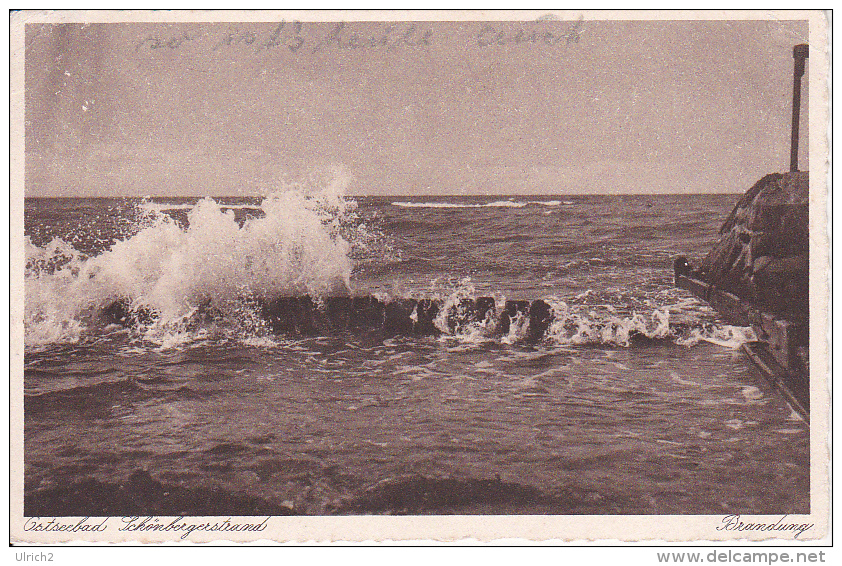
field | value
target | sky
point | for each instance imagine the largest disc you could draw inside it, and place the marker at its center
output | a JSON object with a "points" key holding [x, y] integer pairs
{"points": [[426, 108]]}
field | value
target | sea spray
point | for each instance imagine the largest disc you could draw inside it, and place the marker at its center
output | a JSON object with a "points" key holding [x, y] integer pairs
{"points": [[191, 272], [456, 316], [296, 246], [578, 324], [52, 276], [722, 335]]}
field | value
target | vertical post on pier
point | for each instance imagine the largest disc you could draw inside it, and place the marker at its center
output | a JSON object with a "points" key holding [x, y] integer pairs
{"points": [[799, 53]]}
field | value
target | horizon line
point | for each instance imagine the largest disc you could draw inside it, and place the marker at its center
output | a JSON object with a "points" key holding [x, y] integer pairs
{"points": [[395, 196]]}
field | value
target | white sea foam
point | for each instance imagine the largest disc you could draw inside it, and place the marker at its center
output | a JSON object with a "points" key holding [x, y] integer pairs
{"points": [[300, 244], [725, 335], [454, 308], [153, 207], [296, 248], [518, 326], [577, 325], [494, 204]]}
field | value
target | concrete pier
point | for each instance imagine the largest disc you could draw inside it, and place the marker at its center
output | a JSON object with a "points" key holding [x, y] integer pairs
{"points": [[757, 274]]}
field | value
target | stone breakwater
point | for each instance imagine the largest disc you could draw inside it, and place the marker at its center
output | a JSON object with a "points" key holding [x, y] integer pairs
{"points": [[472, 318], [758, 273], [306, 316], [762, 255]]}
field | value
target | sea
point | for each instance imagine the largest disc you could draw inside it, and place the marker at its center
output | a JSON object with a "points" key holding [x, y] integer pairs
{"points": [[635, 400]]}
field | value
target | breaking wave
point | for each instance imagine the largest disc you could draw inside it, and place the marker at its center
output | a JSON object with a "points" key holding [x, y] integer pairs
{"points": [[574, 322], [200, 271], [300, 244]]}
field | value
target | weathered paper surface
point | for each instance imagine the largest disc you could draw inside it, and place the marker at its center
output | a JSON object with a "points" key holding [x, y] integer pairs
{"points": [[181, 44]]}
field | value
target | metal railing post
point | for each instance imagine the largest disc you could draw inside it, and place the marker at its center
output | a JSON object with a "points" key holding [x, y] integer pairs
{"points": [[799, 53]]}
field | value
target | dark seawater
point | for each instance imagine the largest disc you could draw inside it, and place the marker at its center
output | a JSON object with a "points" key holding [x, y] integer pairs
{"points": [[637, 400]]}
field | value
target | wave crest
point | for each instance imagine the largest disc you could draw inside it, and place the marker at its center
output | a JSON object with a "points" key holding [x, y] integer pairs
{"points": [[495, 204], [297, 246]]}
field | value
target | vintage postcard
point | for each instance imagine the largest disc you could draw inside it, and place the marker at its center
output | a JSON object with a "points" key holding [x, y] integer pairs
{"points": [[439, 276]]}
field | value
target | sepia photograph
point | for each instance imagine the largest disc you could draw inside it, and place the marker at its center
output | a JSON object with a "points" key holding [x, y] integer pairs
{"points": [[366, 266]]}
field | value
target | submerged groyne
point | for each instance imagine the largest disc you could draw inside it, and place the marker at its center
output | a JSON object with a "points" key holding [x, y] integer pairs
{"points": [[757, 274], [307, 316]]}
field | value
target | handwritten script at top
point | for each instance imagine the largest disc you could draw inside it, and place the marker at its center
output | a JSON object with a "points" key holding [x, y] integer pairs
{"points": [[297, 37], [490, 35]]}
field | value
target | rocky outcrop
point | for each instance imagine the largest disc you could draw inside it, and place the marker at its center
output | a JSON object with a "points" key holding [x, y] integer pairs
{"points": [[763, 253]]}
